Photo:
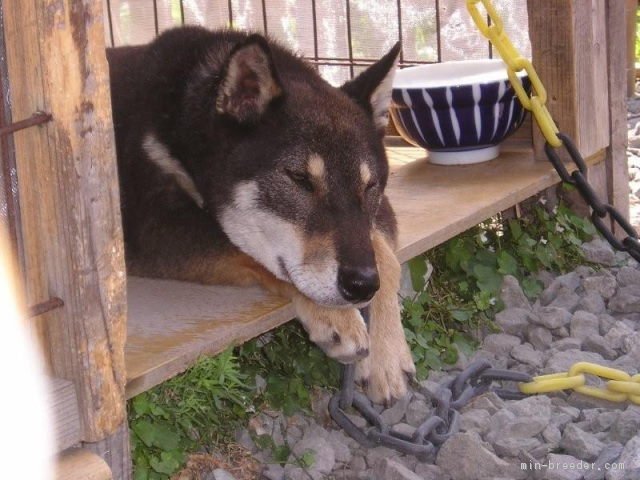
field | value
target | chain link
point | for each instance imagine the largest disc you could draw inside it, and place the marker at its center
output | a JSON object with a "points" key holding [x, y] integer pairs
{"points": [[493, 30], [478, 377]]}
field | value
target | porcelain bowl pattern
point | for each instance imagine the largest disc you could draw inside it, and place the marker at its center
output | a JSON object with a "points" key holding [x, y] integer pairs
{"points": [[459, 111]]}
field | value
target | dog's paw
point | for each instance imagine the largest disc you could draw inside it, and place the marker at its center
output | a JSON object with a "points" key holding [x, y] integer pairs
{"points": [[386, 372], [340, 333]]}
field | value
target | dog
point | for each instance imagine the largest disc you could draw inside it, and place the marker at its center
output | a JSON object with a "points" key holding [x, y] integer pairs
{"points": [[240, 165]]}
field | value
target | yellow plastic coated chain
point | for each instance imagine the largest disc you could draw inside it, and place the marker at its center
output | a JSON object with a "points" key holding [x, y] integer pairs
{"points": [[515, 62], [620, 386]]}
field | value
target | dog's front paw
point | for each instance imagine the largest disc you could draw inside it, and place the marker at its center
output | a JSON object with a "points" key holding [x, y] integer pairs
{"points": [[386, 372], [340, 333]]}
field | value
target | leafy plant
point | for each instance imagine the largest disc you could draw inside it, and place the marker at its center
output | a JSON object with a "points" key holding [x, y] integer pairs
{"points": [[291, 365], [457, 283], [457, 287], [198, 408]]}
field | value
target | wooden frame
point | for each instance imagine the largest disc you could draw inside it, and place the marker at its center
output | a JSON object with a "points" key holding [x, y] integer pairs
{"points": [[70, 201]]}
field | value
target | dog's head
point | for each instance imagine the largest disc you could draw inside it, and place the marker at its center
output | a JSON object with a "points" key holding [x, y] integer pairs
{"points": [[307, 170]]}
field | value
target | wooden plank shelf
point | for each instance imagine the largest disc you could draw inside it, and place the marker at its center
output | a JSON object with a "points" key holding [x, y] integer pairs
{"points": [[172, 323]]}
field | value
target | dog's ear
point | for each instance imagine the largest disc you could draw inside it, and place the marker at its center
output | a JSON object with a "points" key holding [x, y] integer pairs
{"points": [[372, 88], [249, 81]]}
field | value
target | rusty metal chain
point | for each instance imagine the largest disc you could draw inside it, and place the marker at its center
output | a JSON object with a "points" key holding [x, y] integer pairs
{"points": [[447, 401]]}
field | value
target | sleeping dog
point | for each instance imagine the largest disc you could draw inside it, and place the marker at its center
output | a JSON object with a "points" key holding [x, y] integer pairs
{"points": [[239, 165]]}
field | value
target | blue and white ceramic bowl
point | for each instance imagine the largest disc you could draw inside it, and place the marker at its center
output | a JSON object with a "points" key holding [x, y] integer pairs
{"points": [[458, 111]]}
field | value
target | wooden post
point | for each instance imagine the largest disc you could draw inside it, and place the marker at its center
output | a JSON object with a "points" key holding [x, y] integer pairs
{"points": [[630, 16], [569, 50], [70, 200], [616, 160]]}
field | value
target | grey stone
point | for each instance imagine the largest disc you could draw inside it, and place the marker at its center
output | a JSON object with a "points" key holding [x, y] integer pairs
{"points": [[597, 344], [630, 458], [507, 424], [500, 343], [604, 421], [580, 444], [490, 402], [273, 472], [584, 401], [512, 446], [552, 435], [626, 300], [390, 469], [394, 414], [563, 467], [566, 299], [526, 354], [568, 282], [628, 276], [403, 429], [475, 420], [431, 472], [512, 295], [243, 437], [606, 323], [608, 455], [358, 463], [565, 344], [535, 406], [294, 434], [598, 251], [630, 342], [552, 317], [626, 425], [514, 321], [374, 455], [592, 302], [417, 412], [628, 363], [539, 337], [323, 453], [562, 361], [340, 444], [616, 335], [605, 285], [464, 457], [562, 332], [430, 387], [357, 420], [220, 474], [293, 472]]}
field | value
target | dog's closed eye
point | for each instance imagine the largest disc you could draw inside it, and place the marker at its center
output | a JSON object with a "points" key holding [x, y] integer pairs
{"points": [[302, 179]]}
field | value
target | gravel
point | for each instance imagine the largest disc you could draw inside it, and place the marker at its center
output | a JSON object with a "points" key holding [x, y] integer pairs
{"points": [[590, 314]]}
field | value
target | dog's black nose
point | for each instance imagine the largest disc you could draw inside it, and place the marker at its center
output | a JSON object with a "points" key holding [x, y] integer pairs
{"points": [[358, 284]]}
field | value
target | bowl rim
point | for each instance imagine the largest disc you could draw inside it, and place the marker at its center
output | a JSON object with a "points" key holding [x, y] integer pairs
{"points": [[453, 82]]}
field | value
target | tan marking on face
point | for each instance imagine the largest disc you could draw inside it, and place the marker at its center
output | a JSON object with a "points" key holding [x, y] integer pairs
{"points": [[316, 169], [365, 174], [319, 249]]}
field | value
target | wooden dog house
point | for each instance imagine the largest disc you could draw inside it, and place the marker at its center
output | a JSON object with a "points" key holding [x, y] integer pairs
{"points": [[106, 337]]}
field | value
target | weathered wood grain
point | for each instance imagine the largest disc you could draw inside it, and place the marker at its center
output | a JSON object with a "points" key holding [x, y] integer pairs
{"points": [[172, 323], [69, 193], [568, 43], [116, 452], [65, 414], [81, 464], [616, 161]]}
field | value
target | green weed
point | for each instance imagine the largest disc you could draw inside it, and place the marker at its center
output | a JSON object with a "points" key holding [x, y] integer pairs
{"points": [[457, 288], [458, 282]]}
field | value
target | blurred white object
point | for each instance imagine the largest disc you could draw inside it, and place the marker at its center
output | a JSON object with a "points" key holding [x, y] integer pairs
{"points": [[26, 439]]}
